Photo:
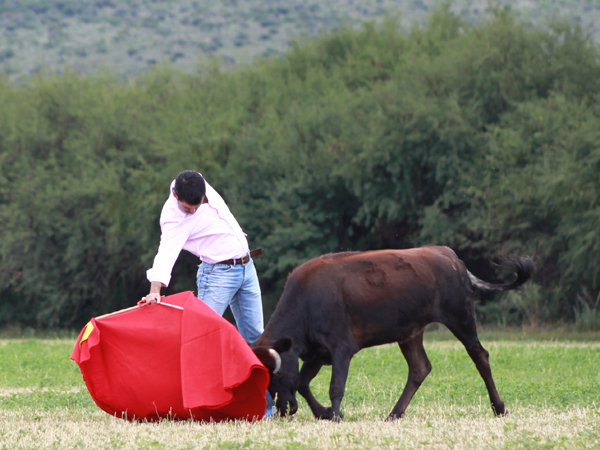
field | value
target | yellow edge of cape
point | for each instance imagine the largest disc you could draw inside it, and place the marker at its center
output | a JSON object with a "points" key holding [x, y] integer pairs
{"points": [[86, 334]]}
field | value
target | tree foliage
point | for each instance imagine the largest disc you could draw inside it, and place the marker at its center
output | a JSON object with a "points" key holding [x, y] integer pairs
{"points": [[481, 138]]}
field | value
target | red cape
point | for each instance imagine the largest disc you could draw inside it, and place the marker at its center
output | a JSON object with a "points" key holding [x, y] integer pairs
{"points": [[156, 362]]}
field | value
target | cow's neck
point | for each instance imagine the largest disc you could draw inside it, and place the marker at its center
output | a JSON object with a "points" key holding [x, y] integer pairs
{"points": [[290, 326]]}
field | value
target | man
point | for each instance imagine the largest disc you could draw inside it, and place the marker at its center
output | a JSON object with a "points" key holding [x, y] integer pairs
{"points": [[195, 218]]}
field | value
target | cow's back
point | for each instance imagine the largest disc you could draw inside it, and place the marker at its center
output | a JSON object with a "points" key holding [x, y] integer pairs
{"points": [[377, 296]]}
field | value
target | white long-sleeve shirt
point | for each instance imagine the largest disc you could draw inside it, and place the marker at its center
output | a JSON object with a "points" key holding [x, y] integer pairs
{"points": [[211, 233]]}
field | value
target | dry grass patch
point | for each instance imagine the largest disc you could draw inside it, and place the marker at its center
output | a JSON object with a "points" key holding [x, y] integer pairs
{"points": [[437, 427], [12, 391]]}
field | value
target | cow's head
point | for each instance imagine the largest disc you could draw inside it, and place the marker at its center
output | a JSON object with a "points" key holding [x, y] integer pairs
{"points": [[283, 368]]}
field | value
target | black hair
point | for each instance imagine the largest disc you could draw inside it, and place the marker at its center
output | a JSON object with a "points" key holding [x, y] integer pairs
{"points": [[190, 187]]}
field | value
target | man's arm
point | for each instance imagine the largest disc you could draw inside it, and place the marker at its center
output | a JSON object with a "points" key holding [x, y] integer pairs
{"points": [[173, 237]]}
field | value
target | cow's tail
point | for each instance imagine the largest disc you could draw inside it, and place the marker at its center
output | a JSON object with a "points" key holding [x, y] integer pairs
{"points": [[522, 265]]}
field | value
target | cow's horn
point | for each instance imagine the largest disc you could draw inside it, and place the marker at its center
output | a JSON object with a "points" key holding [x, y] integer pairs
{"points": [[277, 359]]}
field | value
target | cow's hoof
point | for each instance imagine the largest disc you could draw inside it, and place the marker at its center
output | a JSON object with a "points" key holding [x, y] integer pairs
{"points": [[327, 414], [394, 417], [501, 412], [337, 417]]}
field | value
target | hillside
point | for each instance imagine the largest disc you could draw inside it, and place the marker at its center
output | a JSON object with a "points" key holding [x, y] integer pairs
{"points": [[129, 36]]}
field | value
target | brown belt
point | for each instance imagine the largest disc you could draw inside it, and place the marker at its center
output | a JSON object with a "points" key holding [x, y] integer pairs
{"points": [[245, 260]]}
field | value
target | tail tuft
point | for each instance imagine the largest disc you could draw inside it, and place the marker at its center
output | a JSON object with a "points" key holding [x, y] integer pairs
{"points": [[522, 265]]}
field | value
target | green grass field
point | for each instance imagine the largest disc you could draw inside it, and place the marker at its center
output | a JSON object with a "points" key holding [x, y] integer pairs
{"points": [[551, 386]]}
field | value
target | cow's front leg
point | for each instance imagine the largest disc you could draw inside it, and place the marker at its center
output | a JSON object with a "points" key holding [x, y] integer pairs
{"points": [[340, 365], [309, 371]]}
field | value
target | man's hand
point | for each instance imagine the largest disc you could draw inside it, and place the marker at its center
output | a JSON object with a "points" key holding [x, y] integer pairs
{"points": [[149, 299], [153, 296]]}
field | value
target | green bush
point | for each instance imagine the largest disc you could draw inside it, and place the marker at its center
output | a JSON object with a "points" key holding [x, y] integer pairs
{"points": [[481, 138]]}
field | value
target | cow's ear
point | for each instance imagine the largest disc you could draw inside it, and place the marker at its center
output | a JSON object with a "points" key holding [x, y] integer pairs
{"points": [[282, 345]]}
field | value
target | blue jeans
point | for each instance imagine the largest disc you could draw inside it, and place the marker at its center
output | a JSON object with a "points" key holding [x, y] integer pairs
{"points": [[222, 285]]}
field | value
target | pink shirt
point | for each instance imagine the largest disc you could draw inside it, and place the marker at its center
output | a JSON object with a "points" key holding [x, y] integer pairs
{"points": [[211, 233]]}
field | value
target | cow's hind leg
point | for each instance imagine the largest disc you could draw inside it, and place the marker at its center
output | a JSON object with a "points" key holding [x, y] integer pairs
{"points": [[418, 369], [309, 371], [466, 332]]}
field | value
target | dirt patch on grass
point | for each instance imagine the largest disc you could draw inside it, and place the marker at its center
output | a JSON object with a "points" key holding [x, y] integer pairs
{"points": [[11, 391]]}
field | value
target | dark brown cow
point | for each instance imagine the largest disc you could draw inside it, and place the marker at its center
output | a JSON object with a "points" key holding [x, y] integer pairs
{"points": [[337, 304]]}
